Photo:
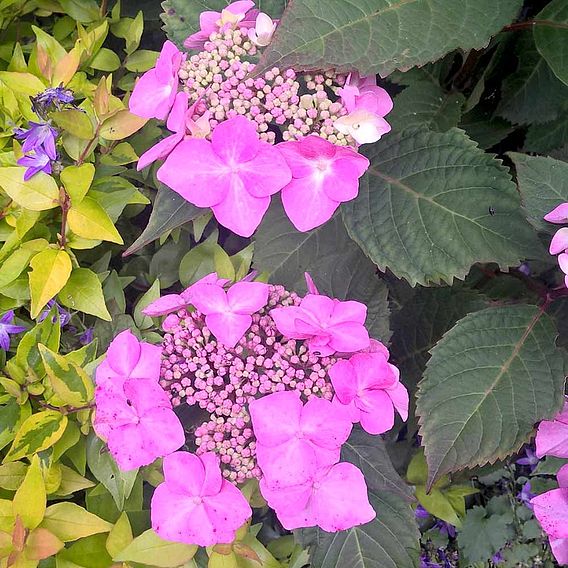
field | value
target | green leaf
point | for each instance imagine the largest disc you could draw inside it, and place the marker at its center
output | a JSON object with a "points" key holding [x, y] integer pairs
{"points": [[46, 332], [22, 83], [76, 122], [423, 209], [30, 499], [14, 265], [389, 541], [84, 11], [12, 415], [71, 482], [369, 454], [490, 379], [141, 60], [426, 103], [77, 181], [84, 292], [68, 521], [38, 193], [12, 475], [482, 126], [89, 220], [71, 384], [149, 548], [199, 261], [51, 269], [105, 60], [170, 211], [120, 536], [89, 552], [121, 125], [102, 465], [181, 18], [551, 37], [37, 433], [543, 183], [380, 36], [542, 138], [437, 504], [153, 293], [336, 263]]}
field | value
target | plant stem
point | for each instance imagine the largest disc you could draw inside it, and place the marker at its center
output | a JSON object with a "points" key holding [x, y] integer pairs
{"points": [[532, 23], [65, 204], [89, 147]]}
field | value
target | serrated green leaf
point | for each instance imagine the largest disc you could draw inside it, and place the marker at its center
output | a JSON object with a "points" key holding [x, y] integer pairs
{"points": [[77, 180], [37, 433], [482, 126], [543, 183], [543, 138], [39, 193], [84, 292], [30, 499], [68, 522], [51, 269], [490, 379], [551, 37], [336, 263], [379, 36], [433, 204], [89, 220]]}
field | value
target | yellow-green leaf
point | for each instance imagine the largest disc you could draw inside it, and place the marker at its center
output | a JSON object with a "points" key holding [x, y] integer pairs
{"points": [[121, 125], [105, 60], [6, 516], [30, 499], [14, 265], [38, 193], [69, 521], [71, 384], [51, 269], [149, 548], [77, 180], [71, 481], [39, 432], [76, 122], [84, 292], [12, 475], [89, 220], [42, 544], [120, 536], [24, 83]]}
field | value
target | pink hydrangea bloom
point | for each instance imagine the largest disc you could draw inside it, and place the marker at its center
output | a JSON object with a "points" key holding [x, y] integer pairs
{"points": [[211, 21], [334, 499], [328, 325], [558, 215], [552, 436], [195, 504], [155, 92], [551, 510], [174, 302], [324, 176], [310, 284], [137, 422], [263, 30], [235, 174], [295, 440], [368, 386], [229, 314], [355, 86], [559, 241]]}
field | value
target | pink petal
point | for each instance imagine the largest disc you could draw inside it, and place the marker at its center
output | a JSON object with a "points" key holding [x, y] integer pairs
{"points": [[558, 215], [151, 98], [195, 172], [184, 473], [399, 396], [323, 425], [239, 211], [149, 363], [560, 550], [350, 410], [343, 185], [168, 62], [213, 478], [373, 371], [276, 417], [265, 174], [562, 476], [551, 510], [176, 119], [236, 141], [340, 499], [348, 337], [377, 412], [196, 40], [209, 298], [159, 151], [300, 165], [228, 328], [125, 444], [240, 7], [164, 305], [162, 432], [123, 353], [170, 322], [319, 306], [349, 311], [344, 381], [145, 395], [285, 320], [310, 284], [247, 297], [559, 241], [563, 262], [552, 439]]}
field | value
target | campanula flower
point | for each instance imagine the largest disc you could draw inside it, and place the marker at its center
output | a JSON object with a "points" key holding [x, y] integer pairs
{"points": [[235, 174], [261, 34], [552, 435], [229, 314], [61, 313], [195, 504], [324, 175], [367, 386], [328, 325], [40, 136], [530, 459], [37, 161], [8, 328], [155, 92], [334, 499], [525, 495], [295, 440], [87, 336]]}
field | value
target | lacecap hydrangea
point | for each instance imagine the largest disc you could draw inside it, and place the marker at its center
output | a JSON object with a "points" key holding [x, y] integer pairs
{"points": [[269, 385], [237, 139]]}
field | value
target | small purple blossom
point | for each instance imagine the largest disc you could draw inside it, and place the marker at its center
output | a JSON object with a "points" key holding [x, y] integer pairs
{"points": [[87, 336], [497, 558], [7, 328], [421, 513], [530, 459], [525, 495], [445, 528], [62, 313], [40, 136], [35, 162], [55, 95]]}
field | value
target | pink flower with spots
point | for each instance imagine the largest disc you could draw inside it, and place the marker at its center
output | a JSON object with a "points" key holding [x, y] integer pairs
{"points": [[295, 440], [323, 176], [551, 510], [552, 436], [235, 174], [229, 314], [558, 215], [367, 386], [195, 505], [334, 499], [327, 325], [155, 92]]}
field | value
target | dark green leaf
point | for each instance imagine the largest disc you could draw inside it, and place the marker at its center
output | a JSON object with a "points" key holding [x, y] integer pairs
{"points": [[542, 138], [551, 37], [480, 125]]}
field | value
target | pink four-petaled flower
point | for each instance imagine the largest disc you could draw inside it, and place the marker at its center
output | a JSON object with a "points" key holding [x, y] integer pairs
{"points": [[195, 504], [552, 435]]}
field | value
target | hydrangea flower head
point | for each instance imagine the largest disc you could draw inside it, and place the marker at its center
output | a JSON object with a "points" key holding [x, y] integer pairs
{"points": [[367, 386], [7, 328], [355, 86], [327, 325], [552, 436], [235, 174], [195, 504], [324, 175], [155, 92]]}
